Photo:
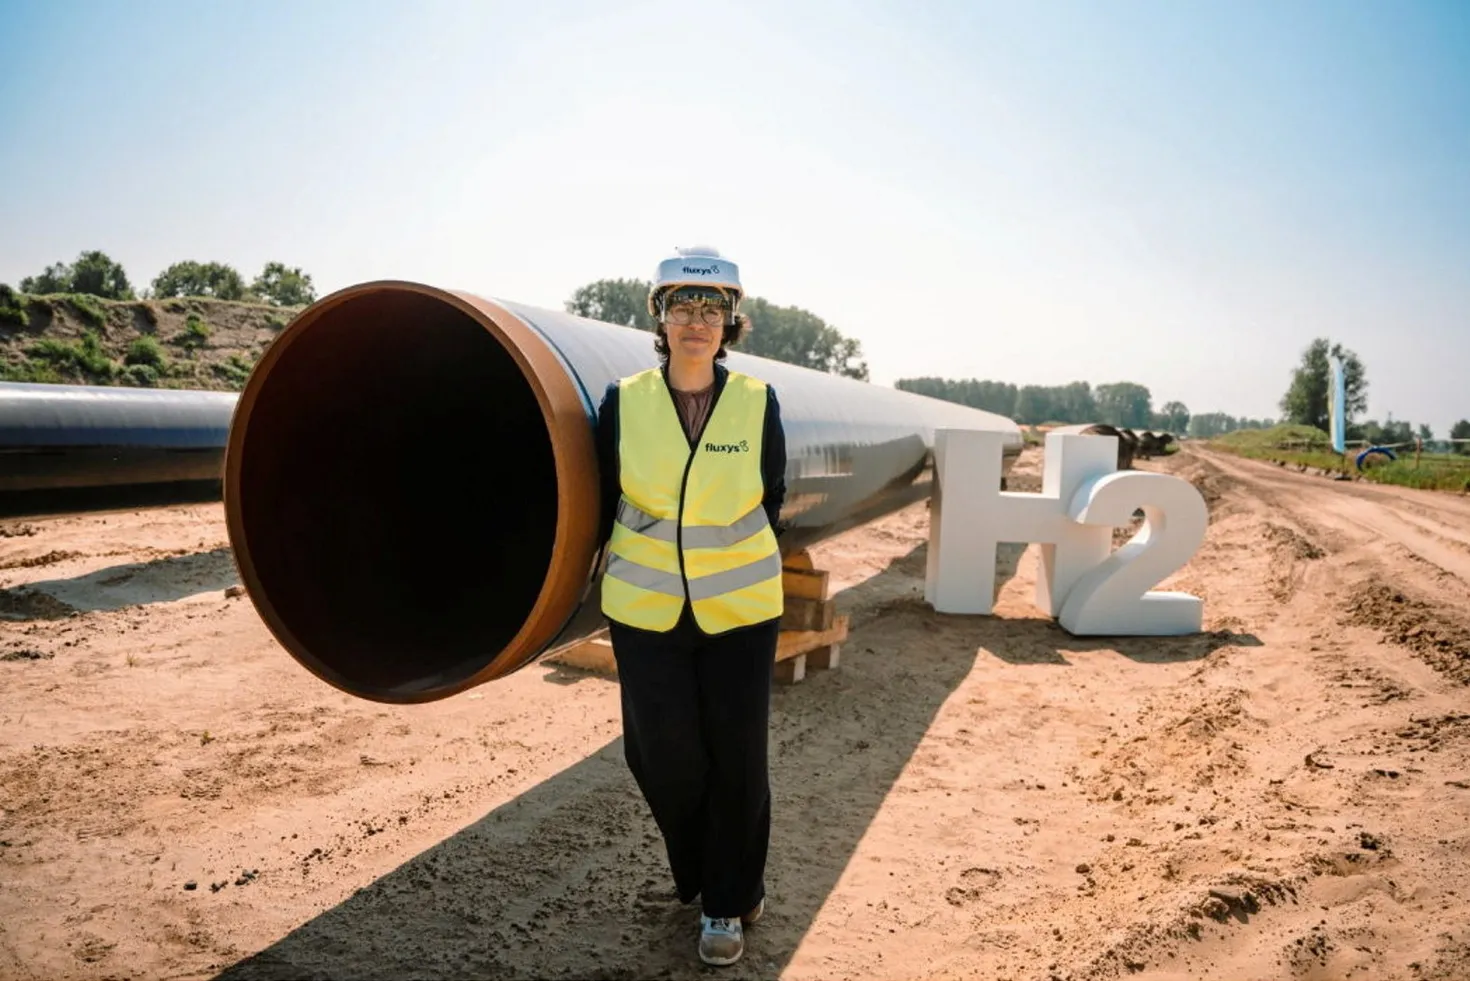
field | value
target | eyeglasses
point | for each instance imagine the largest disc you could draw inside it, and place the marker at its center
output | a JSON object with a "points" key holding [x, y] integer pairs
{"points": [[683, 315]]}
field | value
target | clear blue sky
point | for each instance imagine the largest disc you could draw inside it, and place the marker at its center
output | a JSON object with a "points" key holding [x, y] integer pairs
{"points": [[1180, 194]]}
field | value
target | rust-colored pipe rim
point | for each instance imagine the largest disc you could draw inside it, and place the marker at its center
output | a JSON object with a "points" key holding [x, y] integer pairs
{"points": [[575, 463]]}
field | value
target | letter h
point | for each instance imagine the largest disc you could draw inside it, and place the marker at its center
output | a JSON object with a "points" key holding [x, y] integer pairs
{"points": [[970, 516]]}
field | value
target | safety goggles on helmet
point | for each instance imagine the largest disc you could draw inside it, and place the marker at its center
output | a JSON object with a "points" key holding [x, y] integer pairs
{"points": [[682, 304]]}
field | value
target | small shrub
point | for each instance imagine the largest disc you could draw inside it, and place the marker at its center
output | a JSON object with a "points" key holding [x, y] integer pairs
{"points": [[175, 306], [50, 349], [274, 322], [89, 307], [140, 376], [235, 370], [12, 307], [146, 351], [184, 374], [93, 360], [194, 334], [85, 357], [26, 370]]}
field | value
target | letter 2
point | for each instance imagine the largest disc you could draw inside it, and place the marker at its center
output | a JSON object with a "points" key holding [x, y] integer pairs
{"points": [[1113, 597]]}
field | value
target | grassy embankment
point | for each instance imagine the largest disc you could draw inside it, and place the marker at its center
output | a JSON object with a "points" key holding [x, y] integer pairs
{"points": [[190, 342], [1307, 447]]}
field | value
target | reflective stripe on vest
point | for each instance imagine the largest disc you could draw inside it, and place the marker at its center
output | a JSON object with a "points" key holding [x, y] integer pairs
{"points": [[694, 537], [690, 524]]}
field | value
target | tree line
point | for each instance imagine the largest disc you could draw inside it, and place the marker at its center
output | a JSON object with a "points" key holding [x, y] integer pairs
{"points": [[1116, 403], [781, 333], [1210, 424], [1305, 403], [95, 273], [800, 337]]}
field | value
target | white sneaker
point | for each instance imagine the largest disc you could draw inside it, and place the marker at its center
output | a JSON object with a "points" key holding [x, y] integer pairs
{"points": [[721, 940]]}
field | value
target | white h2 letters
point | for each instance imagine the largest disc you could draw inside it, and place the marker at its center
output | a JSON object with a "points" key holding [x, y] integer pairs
{"points": [[1081, 581]]}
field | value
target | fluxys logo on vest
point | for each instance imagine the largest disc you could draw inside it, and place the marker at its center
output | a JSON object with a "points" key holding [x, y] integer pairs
{"points": [[741, 447]]}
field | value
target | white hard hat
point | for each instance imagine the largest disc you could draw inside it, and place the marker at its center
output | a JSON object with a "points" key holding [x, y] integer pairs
{"points": [[697, 265]]}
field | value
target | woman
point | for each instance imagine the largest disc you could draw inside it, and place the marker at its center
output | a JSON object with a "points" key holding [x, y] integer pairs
{"points": [[693, 460]]}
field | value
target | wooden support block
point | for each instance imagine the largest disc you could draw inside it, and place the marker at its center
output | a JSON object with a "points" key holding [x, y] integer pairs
{"points": [[793, 643], [804, 583], [811, 631], [801, 560], [791, 670], [807, 614], [593, 654], [824, 658]]}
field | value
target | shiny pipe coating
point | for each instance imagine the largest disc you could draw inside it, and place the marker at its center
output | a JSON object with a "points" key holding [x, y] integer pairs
{"points": [[71, 447], [411, 484]]}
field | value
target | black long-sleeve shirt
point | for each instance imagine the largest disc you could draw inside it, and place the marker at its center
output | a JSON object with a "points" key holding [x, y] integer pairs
{"points": [[773, 452]]}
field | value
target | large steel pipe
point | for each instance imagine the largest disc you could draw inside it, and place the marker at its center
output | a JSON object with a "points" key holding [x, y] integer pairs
{"points": [[411, 482], [81, 446]]}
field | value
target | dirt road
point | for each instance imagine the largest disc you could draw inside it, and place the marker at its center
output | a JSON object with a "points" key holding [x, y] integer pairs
{"points": [[1285, 796]]}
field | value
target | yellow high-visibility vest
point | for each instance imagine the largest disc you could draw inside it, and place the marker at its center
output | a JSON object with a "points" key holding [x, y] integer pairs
{"points": [[690, 522]]}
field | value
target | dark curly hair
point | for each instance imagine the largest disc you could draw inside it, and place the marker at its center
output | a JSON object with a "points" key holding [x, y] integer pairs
{"points": [[733, 333]]}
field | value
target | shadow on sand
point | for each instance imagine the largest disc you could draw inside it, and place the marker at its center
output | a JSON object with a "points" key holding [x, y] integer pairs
{"points": [[157, 581], [569, 879]]}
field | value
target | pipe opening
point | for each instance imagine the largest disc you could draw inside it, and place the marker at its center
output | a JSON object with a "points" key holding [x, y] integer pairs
{"points": [[397, 494]]}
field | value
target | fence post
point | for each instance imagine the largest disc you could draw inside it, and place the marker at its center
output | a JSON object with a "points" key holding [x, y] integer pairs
{"points": [[1418, 449]]}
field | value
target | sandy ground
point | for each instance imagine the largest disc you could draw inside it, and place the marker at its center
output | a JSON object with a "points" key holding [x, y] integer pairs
{"points": [[1284, 796]]}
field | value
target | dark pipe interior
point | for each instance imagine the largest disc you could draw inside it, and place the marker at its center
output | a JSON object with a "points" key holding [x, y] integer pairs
{"points": [[398, 493]]}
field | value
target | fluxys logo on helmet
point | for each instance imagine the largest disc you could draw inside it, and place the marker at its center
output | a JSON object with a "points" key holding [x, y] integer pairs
{"points": [[741, 447], [713, 269]]}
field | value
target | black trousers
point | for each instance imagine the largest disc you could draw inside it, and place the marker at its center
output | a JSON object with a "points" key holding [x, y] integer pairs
{"points": [[696, 713]]}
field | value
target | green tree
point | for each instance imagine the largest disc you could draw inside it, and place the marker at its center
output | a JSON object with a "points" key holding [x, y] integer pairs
{"points": [[1175, 417], [1425, 433], [614, 301], [284, 287], [1125, 404], [1209, 424], [1461, 430], [54, 279], [94, 273], [1074, 402], [1387, 433], [800, 337], [1033, 405], [188, 278], [992, 396], [1398, 432], [1306, 402]]}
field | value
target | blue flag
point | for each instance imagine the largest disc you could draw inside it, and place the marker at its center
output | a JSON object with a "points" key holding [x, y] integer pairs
{"points": [[1338, 399]]}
